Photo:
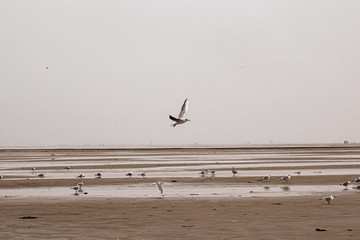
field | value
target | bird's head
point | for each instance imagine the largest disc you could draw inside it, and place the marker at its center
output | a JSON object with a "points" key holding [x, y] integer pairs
{"points": [[187, 120]]}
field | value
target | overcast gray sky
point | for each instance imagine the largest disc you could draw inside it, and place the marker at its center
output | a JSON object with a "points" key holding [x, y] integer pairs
{"points": [[253, 71]]}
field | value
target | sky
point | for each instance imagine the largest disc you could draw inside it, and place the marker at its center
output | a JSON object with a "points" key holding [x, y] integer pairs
{"points": [[90, 72]]}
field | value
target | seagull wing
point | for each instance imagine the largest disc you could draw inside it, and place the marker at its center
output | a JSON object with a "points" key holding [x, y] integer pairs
{"points": [[174, 119], [160, 188], [158, 185], [184, 109]]}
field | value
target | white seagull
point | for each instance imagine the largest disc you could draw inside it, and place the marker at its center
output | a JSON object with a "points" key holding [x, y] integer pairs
{"points": [[266, 178], [234, 171], [181, 119], [41, 175], [345, 184], [328, 198], [143, 174], [159, 186], [80, 184], [81, 176], [76, 188], [286, 178]]}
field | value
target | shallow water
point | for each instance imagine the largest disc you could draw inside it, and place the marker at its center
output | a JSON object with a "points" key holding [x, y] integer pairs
{"points": [[176, 190], [115, 164]]}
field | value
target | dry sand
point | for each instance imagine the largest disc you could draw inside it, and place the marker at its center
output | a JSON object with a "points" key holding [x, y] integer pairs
{"points": [[73, 217]]}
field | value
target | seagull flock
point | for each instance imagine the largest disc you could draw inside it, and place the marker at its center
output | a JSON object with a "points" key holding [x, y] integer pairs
{"points": [[159, 185]]}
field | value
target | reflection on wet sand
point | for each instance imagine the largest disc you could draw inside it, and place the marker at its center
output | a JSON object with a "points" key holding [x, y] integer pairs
{"points": [[196, 165]]}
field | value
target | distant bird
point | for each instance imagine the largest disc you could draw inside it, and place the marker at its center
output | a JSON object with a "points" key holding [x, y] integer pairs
{"points": [[328, 198], [357, 187], [285, 178], [1, 176], [345, 184], [212, 172], [129, 174], [357, 180], [266, 178], [76, 188], [33, 169], [143, 174], [234, 172], [67, 167], [202, 173], [98, 175], [298, 172], [41, 175], [81, 176], [181, 119], [159, 186], [80, 185]]}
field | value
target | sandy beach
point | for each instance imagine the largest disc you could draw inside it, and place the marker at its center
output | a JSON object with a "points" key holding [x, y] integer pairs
{"points": [[194, 206]]}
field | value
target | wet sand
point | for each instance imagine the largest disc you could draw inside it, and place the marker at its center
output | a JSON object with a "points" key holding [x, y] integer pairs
{"points": [[152, 216]]}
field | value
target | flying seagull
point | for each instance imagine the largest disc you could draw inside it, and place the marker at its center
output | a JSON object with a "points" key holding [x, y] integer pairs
{"points": [[159, 186], [181, 119]]}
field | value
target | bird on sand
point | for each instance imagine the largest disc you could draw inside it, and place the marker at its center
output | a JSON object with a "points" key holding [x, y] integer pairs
{"points": [[159, 186], [98, 175], [357, 180], [285, 178], [129, 174], [81, 176], [345, 184], [76, 188], [181, 119], [234, 171], [41, 175], [80, 184], [266, 178], [328, 198], [143, 174]]}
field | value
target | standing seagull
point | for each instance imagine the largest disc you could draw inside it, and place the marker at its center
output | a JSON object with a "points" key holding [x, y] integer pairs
{"points": [[286, 178], [345, 184], [266, 178], [81, 176], [234, 171], [328, 198], [159, 186], [181, 119], [41, 175], [357, 180]]}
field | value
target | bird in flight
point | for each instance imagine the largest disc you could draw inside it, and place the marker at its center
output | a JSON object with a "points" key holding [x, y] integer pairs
{"points": [[181, 119], [159, 187]]}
